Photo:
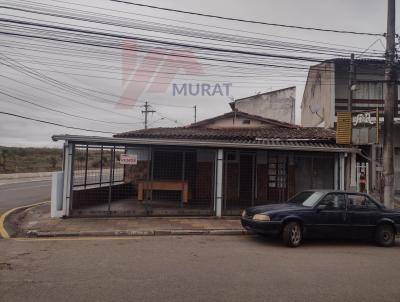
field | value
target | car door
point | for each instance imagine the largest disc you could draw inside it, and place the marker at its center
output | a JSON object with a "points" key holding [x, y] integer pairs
{"points": [[363, 214], [330, 215]]}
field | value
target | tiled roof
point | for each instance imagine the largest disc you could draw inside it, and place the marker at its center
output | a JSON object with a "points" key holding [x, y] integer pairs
{"points": [[236, 134]]}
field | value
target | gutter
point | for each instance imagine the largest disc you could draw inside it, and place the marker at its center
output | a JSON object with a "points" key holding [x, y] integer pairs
{"points": [[197, 143]]}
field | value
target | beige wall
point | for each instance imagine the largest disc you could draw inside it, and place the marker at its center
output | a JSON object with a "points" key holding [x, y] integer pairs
{"points": [[317, 108], [278, 105], [237, 122]]}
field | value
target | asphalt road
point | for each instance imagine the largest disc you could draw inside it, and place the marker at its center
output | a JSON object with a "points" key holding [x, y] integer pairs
{"points": [[25, 193], [196, 268]]}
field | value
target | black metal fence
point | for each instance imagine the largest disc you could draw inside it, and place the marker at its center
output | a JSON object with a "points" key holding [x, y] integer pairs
{"points": [[154, 181]]}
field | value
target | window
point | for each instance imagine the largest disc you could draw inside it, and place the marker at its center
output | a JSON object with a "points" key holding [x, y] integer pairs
{"points": [[246, 122], [334, 201], [306, 198], [361, 202]]}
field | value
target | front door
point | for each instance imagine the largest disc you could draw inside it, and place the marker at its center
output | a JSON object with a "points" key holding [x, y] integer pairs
{"points": [[330, 216], [363, 214]]}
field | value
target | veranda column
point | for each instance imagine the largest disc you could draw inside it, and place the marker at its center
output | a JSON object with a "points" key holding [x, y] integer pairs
{"points": [[218, 182]]}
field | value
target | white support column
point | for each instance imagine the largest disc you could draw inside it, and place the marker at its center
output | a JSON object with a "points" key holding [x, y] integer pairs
{"points": [[353, 173], [68, 159], [218, 183], [57, 187], [336, 173], [372, 178], [341, 171]]}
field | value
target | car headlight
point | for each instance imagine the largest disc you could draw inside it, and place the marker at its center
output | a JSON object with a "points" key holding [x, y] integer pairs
{"points": [[244, 213], [261, 217]]}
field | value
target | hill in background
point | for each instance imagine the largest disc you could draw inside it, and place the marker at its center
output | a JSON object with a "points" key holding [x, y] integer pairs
{"points": [[25, 160]]}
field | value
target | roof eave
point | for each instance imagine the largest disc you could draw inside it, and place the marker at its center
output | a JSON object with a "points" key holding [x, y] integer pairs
{"points": [[197, 143]]}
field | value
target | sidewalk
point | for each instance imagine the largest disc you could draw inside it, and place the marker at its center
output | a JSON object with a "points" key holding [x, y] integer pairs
{"points": [[36, 222]]}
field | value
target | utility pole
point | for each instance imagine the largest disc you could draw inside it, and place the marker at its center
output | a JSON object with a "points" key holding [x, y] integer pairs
{"points": [[195, 113], [350, 165], [351, 81], [390, 97], [146, 111]]}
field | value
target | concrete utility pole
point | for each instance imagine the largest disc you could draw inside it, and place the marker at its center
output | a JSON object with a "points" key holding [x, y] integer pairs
{"points": [[390, 97], [351, 80], [146, 111], [195, 113]]}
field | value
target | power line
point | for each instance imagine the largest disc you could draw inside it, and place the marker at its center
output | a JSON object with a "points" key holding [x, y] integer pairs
{"points": [[249, 21], [121, 36], [62, 112], [51, 123], [195, 23]]}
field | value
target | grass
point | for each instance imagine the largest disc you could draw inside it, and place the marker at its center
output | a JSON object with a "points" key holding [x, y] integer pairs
{"points": [[26, 160]]}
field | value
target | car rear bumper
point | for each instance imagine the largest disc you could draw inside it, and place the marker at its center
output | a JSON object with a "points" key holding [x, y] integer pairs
{"points": [[262, 227]]}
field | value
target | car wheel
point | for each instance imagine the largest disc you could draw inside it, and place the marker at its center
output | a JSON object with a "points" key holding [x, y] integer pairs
{"points": [[385, 235], [292, 234]]}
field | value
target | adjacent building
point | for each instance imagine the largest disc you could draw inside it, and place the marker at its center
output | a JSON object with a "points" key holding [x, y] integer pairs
{"points": [[327, 93], [277, 104]]}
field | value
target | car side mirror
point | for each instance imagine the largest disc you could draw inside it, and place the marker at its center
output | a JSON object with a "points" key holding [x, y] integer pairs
{"points": [[321, 207]]}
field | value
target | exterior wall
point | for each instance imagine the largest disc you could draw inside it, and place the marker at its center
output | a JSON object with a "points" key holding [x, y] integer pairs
{"points": [[317, 108], [278, 105], [235, 122], [368, 94], [261, 177]]}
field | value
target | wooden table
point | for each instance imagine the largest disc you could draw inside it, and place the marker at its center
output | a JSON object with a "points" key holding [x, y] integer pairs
{"points": [[163, 185]]}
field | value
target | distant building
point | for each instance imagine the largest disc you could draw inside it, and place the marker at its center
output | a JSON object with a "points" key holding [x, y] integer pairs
{"points": [[327, 90], [326, 93], [278, 105]]}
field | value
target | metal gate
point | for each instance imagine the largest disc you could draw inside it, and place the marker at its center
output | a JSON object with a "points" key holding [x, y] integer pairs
{"points": [[130, 180]]}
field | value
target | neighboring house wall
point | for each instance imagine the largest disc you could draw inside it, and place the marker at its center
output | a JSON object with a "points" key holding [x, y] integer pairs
{"points": [[278, 105], [240, 122], [369, 90], [327, 91], [317, 108]]}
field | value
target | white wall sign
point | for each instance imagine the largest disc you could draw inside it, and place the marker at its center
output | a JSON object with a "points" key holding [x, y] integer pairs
{"points": [[363, 118], [128, 159]]}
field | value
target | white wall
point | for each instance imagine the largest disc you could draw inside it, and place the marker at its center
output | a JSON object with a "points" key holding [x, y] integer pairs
{"points": [[278, 105]]}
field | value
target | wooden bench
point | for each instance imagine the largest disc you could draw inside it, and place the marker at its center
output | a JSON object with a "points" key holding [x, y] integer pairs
{"points": [[163, 185]]}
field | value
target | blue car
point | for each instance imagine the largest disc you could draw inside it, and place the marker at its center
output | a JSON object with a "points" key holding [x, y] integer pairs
{"points": [[327, 214]]}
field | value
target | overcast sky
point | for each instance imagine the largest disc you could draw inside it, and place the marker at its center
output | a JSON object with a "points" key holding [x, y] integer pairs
{"points": [[41, 74]]}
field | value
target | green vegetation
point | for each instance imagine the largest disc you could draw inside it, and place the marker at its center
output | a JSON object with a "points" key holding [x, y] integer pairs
{"points": [[26, 160]]}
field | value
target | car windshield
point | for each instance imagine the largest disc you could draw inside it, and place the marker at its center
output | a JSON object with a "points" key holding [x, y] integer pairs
{"points": [[306, 198]]}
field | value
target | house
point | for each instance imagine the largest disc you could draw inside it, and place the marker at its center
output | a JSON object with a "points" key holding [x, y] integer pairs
{"points": [[327, 93], [277, 104], [217, 166]]}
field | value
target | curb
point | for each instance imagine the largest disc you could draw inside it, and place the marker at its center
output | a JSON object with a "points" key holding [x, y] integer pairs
{"points": [[132, 233], [25, 175], [3, 232]]}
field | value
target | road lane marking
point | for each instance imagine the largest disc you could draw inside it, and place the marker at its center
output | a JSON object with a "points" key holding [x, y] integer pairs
{"points": [[9, 183], [23, 188], [3, 231]]}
